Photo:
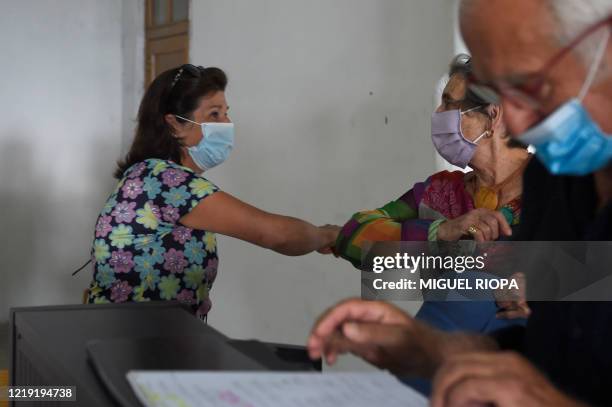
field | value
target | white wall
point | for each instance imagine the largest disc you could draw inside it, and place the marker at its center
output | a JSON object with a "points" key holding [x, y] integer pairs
{"points": [[332, 101], [132, 62], [62, 103], [459, 48]]}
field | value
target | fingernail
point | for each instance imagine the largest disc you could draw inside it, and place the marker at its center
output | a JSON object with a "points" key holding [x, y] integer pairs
{"points": [[350, 329]]}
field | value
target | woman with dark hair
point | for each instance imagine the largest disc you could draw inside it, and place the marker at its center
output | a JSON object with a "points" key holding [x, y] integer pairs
{"points": [[155, 238], [483, 204]]}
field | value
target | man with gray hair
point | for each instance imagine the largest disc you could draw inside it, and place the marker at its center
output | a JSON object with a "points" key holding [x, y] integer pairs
{"points": [[549, 63]]}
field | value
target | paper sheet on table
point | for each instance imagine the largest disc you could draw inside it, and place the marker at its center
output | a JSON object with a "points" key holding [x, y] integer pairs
{"points": [[271, 389]]}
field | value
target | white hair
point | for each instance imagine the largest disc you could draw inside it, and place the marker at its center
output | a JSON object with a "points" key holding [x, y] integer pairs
{"points": [[572, 17], [575, 16]]}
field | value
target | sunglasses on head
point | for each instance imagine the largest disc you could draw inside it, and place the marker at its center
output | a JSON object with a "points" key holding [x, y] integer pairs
{"points": [[193, 70]]}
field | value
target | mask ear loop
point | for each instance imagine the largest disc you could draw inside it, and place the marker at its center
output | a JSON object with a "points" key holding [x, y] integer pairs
{"points": [[184, 118], [470, 110], [191, 121], [594, 66], [484, 133]]}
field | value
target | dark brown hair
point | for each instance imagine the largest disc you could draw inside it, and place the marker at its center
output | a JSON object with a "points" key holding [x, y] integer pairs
{"points": [[175, 91]]}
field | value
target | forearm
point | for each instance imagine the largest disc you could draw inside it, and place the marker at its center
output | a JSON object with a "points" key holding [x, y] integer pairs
{"points": [[462, 342], [224, 214], [296, 237], [435, 347]]}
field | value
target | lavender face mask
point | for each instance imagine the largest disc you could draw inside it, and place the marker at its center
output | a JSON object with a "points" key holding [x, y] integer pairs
{"points": [[449, 140]]}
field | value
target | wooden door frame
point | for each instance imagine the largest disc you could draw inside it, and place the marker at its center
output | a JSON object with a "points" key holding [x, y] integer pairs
{"points": [[168, 36]]}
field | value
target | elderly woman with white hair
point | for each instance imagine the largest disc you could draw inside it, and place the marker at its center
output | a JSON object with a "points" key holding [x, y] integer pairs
{"points": [[483, 204]]}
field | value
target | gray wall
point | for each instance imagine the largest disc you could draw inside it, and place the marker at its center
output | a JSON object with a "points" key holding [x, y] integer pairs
{"points": [[67, 90], [332, 100], [332, 103]]}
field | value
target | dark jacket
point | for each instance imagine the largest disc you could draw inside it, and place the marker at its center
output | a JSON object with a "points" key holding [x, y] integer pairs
{"points": [[569, 341]]}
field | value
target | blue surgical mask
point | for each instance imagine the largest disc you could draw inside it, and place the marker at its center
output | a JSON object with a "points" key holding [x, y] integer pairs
{"points": [[568, 141], [216, 144]]}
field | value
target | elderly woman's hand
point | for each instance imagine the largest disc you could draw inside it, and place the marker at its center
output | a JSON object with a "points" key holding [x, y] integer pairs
{"points": [[482, 224], [512, 302]]}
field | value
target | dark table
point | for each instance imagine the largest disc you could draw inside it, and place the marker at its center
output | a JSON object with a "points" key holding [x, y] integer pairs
{"points": [[93, 346]]}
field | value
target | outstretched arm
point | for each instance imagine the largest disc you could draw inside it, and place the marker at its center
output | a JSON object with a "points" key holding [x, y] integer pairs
{"points": [[222, 213], [395, 221]]}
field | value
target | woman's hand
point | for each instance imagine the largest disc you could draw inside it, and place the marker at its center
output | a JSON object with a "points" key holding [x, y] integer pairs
{"points": [[513, 309], [329, 235], [513, 303], [482, 224]]}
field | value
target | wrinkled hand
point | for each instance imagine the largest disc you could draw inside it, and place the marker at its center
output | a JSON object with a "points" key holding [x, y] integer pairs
{"points": [[367, 328], [502, 379], [513, 303], [488, 224], [329, 236], [379, 332]]}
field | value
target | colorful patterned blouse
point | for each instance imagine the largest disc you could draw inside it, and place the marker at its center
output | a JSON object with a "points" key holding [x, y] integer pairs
{"points": [[416, 215], [141, 252]]}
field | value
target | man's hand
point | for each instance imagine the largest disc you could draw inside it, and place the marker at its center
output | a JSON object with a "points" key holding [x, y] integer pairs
{"points": [[385, 336], [502, 379], [376, 331]]}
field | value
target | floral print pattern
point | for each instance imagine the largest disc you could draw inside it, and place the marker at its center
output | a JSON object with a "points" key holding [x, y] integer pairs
{"points": [[140, 250], [103, 226], [124, 212], [446, 193]]}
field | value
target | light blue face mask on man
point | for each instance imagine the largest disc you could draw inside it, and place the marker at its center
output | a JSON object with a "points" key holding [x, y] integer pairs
{"points": [[568, 141], [216, 144]]}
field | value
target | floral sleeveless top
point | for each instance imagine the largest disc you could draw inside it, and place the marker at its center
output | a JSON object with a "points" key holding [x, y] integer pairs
{"points": [[140, 250]]}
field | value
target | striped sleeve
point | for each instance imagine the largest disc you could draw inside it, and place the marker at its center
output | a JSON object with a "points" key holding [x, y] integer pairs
{"points": [[382, 224]]}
